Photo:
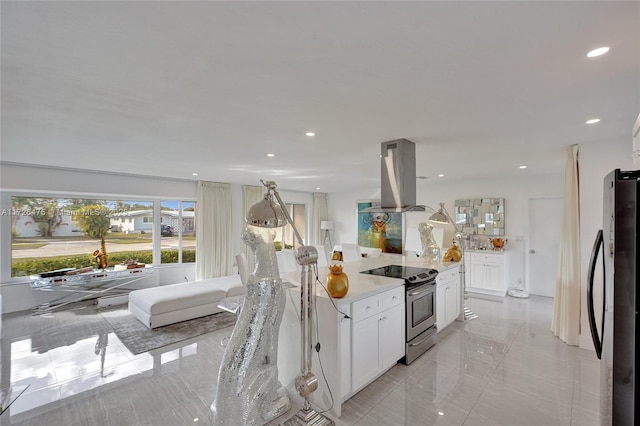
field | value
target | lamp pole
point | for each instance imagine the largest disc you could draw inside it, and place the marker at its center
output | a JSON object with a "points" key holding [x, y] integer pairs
{"points": [[465, 313], [307, 382]]}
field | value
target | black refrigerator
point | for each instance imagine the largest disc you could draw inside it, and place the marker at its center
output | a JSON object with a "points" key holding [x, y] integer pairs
{"points": [[616, 334]]}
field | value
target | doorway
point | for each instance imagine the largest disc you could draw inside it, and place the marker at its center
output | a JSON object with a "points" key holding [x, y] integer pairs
{"points": [[545, 227]]}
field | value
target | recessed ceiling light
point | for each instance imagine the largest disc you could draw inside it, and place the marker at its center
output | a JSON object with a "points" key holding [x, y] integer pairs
{"points": [[593, 121], [194, 174], [310, 134], [440, 175], [523, 167], [271, 155], [597, 52], [317, 188]]}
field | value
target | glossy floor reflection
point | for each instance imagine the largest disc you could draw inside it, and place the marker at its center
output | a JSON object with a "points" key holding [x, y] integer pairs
{"points": [[503, 368]]}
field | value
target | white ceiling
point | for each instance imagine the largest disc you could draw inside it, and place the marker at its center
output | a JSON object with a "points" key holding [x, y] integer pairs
{"points": [[172, 88]]}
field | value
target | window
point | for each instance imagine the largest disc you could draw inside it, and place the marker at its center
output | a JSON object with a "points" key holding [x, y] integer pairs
{"points": [[49, 233], [178, 231], [285, 238]]}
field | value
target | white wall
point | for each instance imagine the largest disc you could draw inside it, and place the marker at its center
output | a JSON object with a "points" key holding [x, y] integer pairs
{"points": [[515, 191], [595, 159]]}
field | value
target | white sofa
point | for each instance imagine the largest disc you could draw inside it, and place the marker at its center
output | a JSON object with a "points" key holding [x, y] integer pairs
{"points": [[168, 304]]}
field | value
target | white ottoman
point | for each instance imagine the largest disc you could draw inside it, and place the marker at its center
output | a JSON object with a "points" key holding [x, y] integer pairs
{"points": [[168, 304]]}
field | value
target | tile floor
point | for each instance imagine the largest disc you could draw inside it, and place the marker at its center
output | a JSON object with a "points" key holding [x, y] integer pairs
{"points": [[503, 368]]}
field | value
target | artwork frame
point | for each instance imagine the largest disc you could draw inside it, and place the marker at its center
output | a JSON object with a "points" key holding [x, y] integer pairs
{"points": [[379, 230], [481, 216]]}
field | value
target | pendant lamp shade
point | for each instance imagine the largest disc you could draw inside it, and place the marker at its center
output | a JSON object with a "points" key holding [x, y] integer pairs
{"points": [[266, 214]]}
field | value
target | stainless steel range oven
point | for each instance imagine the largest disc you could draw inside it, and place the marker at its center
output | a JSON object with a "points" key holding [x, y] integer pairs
{"points": [[420, 298], [421, 319]]}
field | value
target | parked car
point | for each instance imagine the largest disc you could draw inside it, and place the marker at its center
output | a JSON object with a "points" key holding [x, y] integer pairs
{"points": [[166, 231]]}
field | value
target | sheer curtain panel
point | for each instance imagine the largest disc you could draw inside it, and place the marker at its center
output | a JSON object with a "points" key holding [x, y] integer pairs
{"points": [[319, 213], [566, 310], [250, 195], [214, 257]]}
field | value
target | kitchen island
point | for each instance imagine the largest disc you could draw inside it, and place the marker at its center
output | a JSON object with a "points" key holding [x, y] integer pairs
{"points": [[360, 338]]}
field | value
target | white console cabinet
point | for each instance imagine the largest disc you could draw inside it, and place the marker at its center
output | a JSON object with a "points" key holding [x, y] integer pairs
{"points": [[487, 272], [377, 336], [447, 297]]}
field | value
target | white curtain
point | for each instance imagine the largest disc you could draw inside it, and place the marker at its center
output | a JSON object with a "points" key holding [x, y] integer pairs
{"points": [[319, 212], [250, 196], [566, 309], [213, 228]]}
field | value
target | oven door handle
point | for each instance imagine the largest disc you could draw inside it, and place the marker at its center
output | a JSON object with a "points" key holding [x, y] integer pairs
{"points": [[420, 342], [417, 293]]}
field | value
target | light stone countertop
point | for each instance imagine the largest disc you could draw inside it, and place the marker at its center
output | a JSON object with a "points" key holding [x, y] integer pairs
{"points": [[365, 285]]}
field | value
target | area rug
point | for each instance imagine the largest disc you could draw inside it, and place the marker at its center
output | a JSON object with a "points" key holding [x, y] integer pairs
{"points": [[139, 339]]}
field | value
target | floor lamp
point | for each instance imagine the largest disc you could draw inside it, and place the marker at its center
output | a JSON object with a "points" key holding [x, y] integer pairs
{"points": [[443, 216], [269, 214]]}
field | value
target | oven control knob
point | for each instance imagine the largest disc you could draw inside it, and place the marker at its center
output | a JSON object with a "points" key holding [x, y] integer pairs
{"points": [[412, 278]]}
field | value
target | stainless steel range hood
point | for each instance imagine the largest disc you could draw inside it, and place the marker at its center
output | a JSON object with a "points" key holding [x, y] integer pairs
{"points": [[398, 178]]}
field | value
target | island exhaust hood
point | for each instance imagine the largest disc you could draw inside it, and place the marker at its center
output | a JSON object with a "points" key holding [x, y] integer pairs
{"points": [[398, 178]]}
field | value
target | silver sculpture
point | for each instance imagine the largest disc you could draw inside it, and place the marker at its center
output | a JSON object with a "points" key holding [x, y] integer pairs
{"points": [[269, 214], [430, 249], [248, 390]]}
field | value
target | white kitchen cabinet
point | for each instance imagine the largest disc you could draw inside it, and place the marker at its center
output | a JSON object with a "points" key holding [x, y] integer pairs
{"points": [[377, 336], [345, 353], [447, 297], [393, 341], [487, 272], [366, 362]]}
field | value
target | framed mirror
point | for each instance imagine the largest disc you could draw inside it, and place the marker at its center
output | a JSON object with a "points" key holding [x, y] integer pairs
{"points": [[483, 216]]}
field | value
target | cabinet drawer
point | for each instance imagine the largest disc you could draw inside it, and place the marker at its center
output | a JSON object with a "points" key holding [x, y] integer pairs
{"points": [[487, 258], [366, 307], [392, 298], [447, 276]]}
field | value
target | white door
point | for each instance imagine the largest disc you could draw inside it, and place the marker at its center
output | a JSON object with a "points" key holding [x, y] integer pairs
{"points": [[545, 225]]}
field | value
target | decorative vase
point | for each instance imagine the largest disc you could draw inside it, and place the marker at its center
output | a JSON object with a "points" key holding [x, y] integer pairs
{"points": [[337, 282], [498, 243], [453, 254]]}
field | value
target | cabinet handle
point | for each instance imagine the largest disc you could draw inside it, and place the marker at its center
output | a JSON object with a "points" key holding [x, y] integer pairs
{"points": [[394, 298], [367, 308]]}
